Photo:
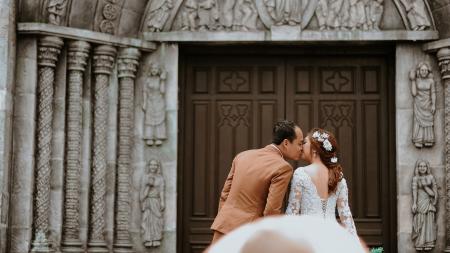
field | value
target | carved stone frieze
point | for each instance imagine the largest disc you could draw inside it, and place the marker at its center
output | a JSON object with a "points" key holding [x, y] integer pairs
{"points": [[49, 49], [56, 10], [157, 14], [103, 65], [77, 61], [424, 203], [128, 60], [416, 14], [423, 91], [154, 105], [107, 16], [443, 56], [152, 202]]}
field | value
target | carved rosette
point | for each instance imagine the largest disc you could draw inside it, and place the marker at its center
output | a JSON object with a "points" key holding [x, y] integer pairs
{"points": [[49, 49], [443, 56], [78, 55], [110, 14], [103, 65], [128, 61]]}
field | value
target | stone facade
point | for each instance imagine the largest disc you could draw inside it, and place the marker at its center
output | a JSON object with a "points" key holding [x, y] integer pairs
{"points": [[73, 145]]}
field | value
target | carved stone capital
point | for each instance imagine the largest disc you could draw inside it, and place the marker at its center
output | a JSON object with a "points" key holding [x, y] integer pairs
{"points": [[49, 49], [443, 56], [78, 55], [128, 61], [104, 59]]}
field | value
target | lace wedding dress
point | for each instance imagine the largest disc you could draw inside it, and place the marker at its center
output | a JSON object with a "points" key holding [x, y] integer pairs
{"points": [[305, 200]]}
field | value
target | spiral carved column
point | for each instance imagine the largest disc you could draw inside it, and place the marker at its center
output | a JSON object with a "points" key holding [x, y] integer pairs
{"points": [[49, 49], [103, 65], [443, 56], [78, 54], [128, 61]]}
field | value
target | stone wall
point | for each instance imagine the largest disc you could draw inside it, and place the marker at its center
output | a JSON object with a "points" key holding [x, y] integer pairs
{"points": [[7, 60], [441, 10]]}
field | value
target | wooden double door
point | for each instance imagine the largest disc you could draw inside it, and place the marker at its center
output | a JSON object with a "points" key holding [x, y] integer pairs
{"points": [[229, 103]]}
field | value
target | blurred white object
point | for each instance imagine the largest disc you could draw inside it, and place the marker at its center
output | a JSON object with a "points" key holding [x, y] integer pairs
{"points": [[308, 234]]}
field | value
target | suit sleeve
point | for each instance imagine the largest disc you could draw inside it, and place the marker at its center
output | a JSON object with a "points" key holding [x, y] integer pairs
{"points": [[227, 185], [277, 191]]}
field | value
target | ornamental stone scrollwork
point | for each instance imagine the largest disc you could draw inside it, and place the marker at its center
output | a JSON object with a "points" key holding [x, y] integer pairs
{"points": [[49, 49], [103, 65], [424, 203], [108, 15], [128, 60], [443, 56], [77, 61], [152, 203], [424, 94], [154, 105]]}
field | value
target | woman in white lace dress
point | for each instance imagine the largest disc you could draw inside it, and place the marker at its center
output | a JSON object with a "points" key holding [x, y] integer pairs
{"points": [[319, 188]]}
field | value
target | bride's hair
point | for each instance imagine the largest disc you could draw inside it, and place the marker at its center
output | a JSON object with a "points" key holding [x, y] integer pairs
{"points": [[325, 144]]}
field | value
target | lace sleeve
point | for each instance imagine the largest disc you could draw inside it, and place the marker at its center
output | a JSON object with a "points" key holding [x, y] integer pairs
{"points": [[295, 195], [345, 214]]}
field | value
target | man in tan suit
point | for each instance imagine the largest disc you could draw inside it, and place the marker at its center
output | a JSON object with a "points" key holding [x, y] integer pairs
{"points": [[258, 180]]}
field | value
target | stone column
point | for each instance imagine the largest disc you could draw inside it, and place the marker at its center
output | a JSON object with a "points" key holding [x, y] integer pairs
{"points": [[78, 54], [49, 49], [103, 65], [128, 61], [443, 56]]}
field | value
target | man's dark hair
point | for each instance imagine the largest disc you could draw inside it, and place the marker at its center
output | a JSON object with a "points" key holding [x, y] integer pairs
{"points": [[284, 129]]}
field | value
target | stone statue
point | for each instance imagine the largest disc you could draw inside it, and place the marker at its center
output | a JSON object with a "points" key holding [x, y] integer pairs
{"points": [[189, 15], [425, 197], [227, 15], [424, 94], [154, 106], [208, 15], [56, 9], [357, 15], [334, 10], [285, 11], [245, 15], [375, 14], [158, 13], [152, 201], [321, 14], [416, 14]]}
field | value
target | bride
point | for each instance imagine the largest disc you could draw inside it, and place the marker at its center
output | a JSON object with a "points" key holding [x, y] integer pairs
{"points": [[319, 188]]}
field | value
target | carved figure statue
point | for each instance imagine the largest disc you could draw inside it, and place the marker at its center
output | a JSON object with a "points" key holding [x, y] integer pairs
{"points": [[208, 15], [417, 14], [425, 198], [424, 94], [245, 15], [357, 14], [334, 11], [154, 106], [375, 14], [285, 11], [321, 14], [227, 14], [158, 14], [152, 204], [189, 15], [55, 10]]}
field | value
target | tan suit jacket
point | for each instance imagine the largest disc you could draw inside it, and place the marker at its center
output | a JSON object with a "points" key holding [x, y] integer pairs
{"points": [[255, 187]]}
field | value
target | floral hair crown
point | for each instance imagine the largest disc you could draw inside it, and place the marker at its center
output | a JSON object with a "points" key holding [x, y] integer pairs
{"points": [[326, 144]]}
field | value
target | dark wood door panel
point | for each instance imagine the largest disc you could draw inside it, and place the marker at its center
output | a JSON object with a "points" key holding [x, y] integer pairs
{"points": [[230, 103]]}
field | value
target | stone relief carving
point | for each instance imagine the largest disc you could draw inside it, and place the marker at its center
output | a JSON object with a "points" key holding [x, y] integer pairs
{"points": [[349, 14], [154, 106], [158, 12], [107, 15], [245, 16], [208, 15], [285, 11], [56, 9], [424, 93], [425, 196], [416, 13], [152, 204]]}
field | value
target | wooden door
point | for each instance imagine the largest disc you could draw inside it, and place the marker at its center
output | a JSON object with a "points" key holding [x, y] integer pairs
{"points": [[230, 102]]}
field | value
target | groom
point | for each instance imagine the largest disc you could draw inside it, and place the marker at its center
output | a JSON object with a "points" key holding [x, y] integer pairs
{"points": [[258, 180]]}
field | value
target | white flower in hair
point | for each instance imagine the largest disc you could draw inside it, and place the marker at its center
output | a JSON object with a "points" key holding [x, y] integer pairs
{"points": [[325, 135], [327, 145], [316, 134], [334, 159]]}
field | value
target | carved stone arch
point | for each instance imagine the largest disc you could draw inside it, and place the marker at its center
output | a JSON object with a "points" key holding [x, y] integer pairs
{"points": [[308, 13], [403, 14], [168, 25]]}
